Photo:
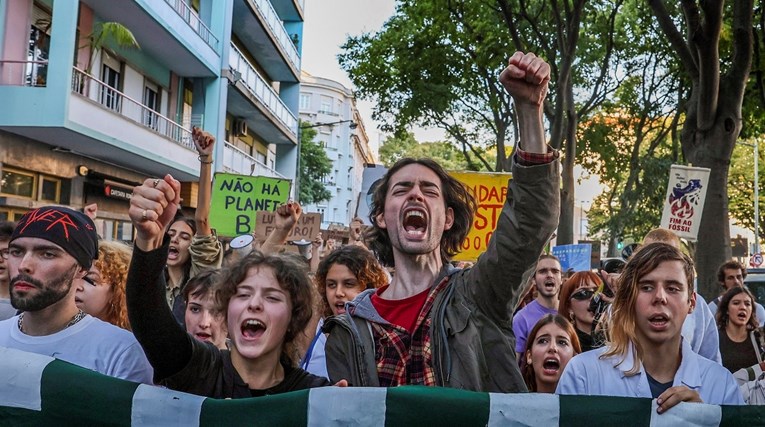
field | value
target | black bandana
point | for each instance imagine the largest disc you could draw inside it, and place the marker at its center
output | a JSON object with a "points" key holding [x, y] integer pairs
{"points": [[73, 231]]}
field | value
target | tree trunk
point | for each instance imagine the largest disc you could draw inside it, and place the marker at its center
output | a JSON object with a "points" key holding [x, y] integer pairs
{"points": [[712, 149], [567, 192]]}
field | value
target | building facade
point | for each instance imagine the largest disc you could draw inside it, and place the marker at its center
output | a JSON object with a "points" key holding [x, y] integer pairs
{"points": [[83, 121], [330, 108]]}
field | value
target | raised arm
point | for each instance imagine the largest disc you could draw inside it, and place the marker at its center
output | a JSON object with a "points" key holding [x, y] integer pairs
{"points": [[531, 212], [205, 250], [165, 343], [286, 218]]}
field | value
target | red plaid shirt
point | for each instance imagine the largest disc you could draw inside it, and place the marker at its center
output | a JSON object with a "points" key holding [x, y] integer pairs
{"points": [[404, 359]]}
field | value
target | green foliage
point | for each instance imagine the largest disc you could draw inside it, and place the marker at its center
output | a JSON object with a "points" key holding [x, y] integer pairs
{"points": [[395, 148], [108, 33], [436, 64], [741, 186], [314, 166]]}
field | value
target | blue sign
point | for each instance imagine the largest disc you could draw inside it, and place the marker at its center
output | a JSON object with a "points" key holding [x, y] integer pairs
{"points": [[574, 257]]}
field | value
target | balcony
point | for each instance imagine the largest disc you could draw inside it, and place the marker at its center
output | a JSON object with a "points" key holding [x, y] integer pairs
{"points": [[192, 19], [256, 101], [168, 31], [23, 73], [117, 102], [289, 10], [258, 26], [237, 161]]}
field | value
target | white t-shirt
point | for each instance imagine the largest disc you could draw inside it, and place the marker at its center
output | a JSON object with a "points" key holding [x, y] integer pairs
{"points": [[90, 343]]}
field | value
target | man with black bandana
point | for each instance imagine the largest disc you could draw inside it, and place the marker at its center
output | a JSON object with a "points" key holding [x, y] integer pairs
{"points": [[49, 248]]}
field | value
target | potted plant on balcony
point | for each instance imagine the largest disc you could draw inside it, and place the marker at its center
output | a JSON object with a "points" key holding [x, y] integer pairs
{"points": [[103, 33]]}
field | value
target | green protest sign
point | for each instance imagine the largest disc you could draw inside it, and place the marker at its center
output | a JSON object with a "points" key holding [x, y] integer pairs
{"points": [[237, 198]]}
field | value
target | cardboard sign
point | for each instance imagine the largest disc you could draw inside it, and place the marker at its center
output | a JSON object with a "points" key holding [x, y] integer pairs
{"points": [[490, 192], [237, 198], [574, 257], [684, 204], [308, 226]]}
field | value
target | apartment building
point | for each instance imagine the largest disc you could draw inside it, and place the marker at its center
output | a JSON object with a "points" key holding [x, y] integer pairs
{"points": [[84, 122], [330, 108]]}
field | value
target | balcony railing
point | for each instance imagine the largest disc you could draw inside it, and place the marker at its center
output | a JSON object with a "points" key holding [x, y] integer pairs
{"points": [[236, 160], [277, 28], [192, 18], [23, 73], [262, 90], [90, 87]]}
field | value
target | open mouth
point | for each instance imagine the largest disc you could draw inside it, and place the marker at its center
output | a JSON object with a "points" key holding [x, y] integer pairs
{"points": [[551, 366], [415, 222], [203, 336], [658, 321], [253, 329], [743, 316], [173, 253], [340, 307]]}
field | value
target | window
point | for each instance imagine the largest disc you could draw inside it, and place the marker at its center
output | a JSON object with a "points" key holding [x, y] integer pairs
{"points": [[30, 185], [188, 100], [151, 101], [110, 95], [36, 72], [11, 214], [305, 101], [50, 189], [18, 183], [326, 105]]}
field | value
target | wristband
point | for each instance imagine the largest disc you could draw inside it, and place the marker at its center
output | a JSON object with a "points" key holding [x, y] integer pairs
{"points": [[204, 162]]}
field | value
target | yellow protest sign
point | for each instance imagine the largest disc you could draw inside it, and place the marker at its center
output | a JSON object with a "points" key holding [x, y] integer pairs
{"points": [[490, 192]]}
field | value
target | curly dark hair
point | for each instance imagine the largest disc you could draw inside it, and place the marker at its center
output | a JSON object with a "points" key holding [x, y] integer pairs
{"points": [[291, 273], [730, 265], [722, 316], [362, 264], [456, 196]]}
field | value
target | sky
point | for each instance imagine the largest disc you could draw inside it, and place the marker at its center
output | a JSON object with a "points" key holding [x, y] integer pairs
{"points": [[327, 25]]}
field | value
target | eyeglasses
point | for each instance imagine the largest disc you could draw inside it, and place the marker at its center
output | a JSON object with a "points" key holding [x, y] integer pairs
{"points": [[582, 294], [4, 253]]}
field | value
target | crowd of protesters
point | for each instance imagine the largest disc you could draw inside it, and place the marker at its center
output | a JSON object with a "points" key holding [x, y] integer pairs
{"points": [[180, 310]]}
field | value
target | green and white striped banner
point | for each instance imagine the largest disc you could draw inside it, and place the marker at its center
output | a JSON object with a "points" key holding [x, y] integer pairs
{"points": [[40, 391]]}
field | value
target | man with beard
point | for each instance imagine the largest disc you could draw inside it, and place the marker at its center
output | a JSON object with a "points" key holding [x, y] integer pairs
{"points": [[547, 277], [435, 325], [50, 248]]}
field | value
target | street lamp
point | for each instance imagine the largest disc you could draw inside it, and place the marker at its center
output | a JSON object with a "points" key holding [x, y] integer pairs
{"points": [[353, 125]]}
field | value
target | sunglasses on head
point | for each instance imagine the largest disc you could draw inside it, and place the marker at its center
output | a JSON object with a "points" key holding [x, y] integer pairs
{"points": [[582, 294]]}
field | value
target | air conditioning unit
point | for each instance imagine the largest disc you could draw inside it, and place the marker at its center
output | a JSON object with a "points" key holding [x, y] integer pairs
{"points": [[240, 127]]}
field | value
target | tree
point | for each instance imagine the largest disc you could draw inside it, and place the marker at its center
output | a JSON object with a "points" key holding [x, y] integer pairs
{"points": [[717, 69], [394, 148], [314, 167], [741, 187], [437, 62], [105, 33], [629, 141]]}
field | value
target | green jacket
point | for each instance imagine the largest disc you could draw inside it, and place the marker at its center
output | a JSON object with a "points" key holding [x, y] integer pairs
{"points": [[471, 334]]}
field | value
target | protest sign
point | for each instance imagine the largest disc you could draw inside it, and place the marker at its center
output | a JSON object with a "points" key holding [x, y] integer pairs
{"points": [[574, 257], [490, 192], [236, 199], [308, 226], [684, 204], [369, 179]]}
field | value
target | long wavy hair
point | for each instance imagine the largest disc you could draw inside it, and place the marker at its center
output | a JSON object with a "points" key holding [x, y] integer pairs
{"points": [[722, 316], [369, 273], [456, 196], [291, 272], [622, 330], [113, 262], [527, 369]]}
